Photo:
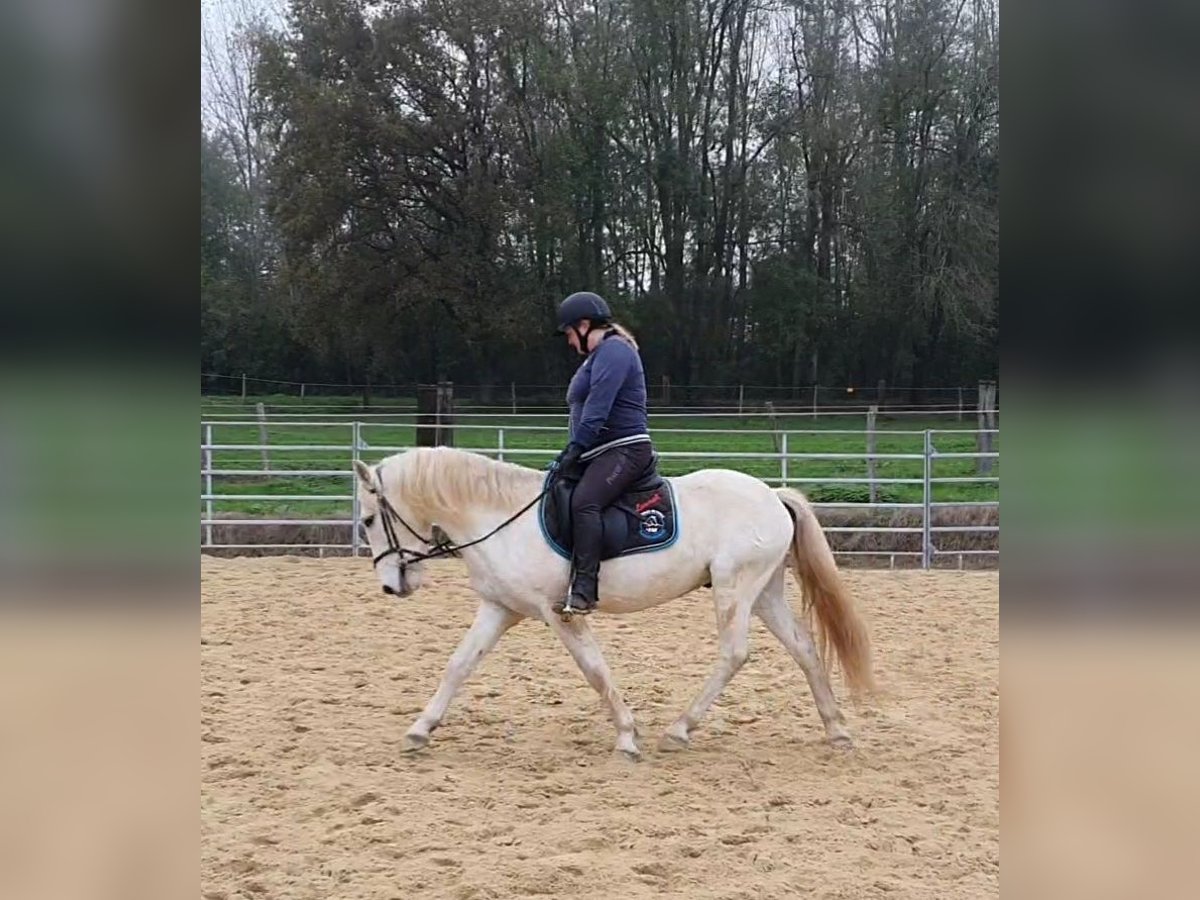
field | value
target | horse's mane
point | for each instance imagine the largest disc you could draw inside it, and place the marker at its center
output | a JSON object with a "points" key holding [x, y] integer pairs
{"points": [[436, 478]]}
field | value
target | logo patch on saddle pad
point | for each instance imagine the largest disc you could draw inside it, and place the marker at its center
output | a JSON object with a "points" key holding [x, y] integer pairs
{"points": [[654, 525], [642, 520]]}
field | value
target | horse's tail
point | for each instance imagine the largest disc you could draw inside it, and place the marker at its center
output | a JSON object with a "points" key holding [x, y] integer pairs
{"points": [[837, 618]]}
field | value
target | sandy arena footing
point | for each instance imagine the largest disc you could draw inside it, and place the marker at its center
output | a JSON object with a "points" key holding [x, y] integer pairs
{"points": [[310, 676]]}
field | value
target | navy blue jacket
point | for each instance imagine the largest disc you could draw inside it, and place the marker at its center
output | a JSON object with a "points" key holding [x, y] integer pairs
{"points": [[607, 397]]}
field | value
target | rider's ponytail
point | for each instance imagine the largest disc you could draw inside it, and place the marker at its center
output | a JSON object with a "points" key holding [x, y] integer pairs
{"points": [[624, 333]]}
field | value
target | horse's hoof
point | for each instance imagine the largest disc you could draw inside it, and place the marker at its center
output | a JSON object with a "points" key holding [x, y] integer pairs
{"points": [[672, 743], [841, 742], [627, 746], [414, 742]]}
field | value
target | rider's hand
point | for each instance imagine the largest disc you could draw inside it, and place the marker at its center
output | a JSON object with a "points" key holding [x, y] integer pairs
{"points": [[568, 461]]}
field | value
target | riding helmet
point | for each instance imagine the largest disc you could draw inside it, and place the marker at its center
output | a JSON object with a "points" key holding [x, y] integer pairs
{"points": [[583, 305]]}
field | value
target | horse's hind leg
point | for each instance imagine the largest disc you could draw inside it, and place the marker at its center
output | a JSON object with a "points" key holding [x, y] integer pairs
{"points": [[733, 596], [772, 607], [577, 637], [491, 621]]}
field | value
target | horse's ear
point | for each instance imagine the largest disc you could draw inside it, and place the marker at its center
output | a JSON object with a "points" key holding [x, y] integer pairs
{"points": [[364, 473]]}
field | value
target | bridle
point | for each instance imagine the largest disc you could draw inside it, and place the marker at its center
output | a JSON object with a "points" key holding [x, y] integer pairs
{"points": [[388, 517]]}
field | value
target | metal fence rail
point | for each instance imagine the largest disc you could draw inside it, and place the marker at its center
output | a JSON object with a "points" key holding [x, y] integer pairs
{"points": [[789, 461]]}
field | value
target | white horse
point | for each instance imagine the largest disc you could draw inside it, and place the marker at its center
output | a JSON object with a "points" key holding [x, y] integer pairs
{"points": [[736, 533]]}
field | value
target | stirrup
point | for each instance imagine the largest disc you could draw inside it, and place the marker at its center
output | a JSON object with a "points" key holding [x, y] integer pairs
{"points": [[567, 608]]}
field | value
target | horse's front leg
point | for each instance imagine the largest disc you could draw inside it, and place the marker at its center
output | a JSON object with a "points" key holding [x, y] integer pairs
{"points": [[577, 636], [491, 621]]}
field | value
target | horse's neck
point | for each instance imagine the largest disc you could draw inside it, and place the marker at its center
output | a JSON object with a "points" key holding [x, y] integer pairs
{"points": [[467, 522]]}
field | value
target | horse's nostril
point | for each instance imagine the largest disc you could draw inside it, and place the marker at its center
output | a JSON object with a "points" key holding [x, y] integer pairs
{"points": [[388, 589]]}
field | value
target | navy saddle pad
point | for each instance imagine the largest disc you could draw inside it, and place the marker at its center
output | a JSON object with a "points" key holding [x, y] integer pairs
{"points": [[643, 519]]}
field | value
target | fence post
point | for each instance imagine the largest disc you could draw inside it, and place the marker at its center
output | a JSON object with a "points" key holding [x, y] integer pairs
{"points": [[741, 398], [770, 407], [814, 402], [783, 459], [873, 488], [445, 414], [960, 405], [262, 436], [927, 505], [435, 414], [500, 443], [243, 386], [302, 386], [512, 386], [354, 510], [987, 420], [208, 484]]}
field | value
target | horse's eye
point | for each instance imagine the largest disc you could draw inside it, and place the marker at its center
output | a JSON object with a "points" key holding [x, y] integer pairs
{"points": [[368, 521]]}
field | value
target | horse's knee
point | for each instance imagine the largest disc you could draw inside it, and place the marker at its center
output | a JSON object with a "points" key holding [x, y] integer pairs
{"points": [[737, 655]]}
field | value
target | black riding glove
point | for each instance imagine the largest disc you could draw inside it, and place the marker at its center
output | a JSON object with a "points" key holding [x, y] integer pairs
{"points": [[567, 463]]}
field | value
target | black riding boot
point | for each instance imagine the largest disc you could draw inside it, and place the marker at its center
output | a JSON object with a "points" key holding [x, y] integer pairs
{"points": [[585, 564], [585, 587]]}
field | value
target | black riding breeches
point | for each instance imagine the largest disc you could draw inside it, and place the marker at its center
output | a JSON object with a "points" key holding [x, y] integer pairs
{"points": [[604, 480]]}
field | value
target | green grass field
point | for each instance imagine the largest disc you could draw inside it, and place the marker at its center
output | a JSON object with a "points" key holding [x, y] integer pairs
{"points": [[324, 442]]}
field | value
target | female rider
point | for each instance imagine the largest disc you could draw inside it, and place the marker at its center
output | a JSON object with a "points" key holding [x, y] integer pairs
{"points": [[609, 447]]}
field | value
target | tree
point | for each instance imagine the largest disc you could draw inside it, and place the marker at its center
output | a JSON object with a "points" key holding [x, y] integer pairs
{"points": [[796, 192]]}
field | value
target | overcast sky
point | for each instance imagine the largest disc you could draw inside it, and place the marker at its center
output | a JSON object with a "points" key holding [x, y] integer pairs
{"points": [[219, 18]]}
